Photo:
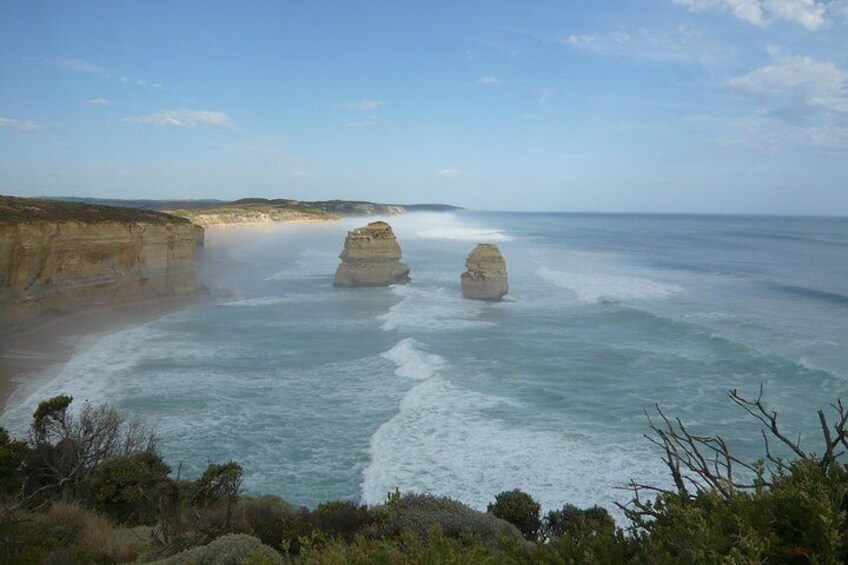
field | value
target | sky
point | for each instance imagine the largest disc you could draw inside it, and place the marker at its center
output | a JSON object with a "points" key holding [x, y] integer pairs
{"points": [[694, 106]]}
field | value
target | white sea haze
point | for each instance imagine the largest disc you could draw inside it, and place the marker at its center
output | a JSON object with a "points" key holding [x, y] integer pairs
{"points": [[325, 393]]}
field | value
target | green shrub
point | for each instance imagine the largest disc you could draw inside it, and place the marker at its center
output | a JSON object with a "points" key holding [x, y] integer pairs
{"points": [[266, 517], [410, 549], [417, 513], [575, 523], [129, 489], [341, 518], [518, 508], [231, 549], [298, 529], [12, 455]]}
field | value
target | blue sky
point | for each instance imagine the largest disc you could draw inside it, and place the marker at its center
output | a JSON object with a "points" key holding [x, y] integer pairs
{"points": [[714, 106]]}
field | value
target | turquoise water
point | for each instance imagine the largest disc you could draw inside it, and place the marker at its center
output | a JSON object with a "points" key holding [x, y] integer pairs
{"points": [[348, 393]]}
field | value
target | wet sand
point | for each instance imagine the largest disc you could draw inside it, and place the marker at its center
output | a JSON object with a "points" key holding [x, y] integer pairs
{"points": [[29, 351]]}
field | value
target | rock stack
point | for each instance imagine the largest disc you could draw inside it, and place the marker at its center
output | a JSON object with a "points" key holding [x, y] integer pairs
{"points": [[485, 278], [371, 257]]}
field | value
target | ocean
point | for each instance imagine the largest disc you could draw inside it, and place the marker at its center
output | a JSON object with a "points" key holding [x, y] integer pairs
{"points": [[323, 393]]}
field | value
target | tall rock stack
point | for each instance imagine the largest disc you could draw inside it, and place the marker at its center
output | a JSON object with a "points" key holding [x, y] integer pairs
{"points": [[371, 257], [485, 278]]}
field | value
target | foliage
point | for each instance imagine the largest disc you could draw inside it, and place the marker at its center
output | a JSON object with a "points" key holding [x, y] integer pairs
{"points": [[220, 482], [12, 455], [518, 508], [410, 549], [266, 517], [130, 488], [231, 549], [341, 518], [417, 513], [65, 450], [576, 523]]}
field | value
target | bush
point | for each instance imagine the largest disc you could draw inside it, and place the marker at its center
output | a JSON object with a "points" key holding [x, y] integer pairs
{"points": [[266, 517], [297, 529], [417, 513], [410, 549], [576, 523], [341, 518], [129, 488], [231, 549], [518, 508], [12, 455]]}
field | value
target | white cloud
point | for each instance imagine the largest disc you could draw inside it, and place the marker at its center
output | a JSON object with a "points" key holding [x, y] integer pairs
{"points": [[369, 123], [184, 119], [77, 66], [99, 102], [449, 173], [679, 45], [362, 105], [796, 79], [18, 125], [490, 79], [811, 14]]}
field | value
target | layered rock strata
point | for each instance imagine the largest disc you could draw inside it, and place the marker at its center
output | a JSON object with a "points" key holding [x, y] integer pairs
{"points": [[485, 277], [371, 257], [62, 256]]}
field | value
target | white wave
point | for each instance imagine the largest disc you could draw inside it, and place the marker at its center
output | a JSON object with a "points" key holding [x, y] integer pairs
{"points": [[465, 233], [597, 287], [431, 309], [88, 375], [273, 300], [411, 361], [445, 440]]}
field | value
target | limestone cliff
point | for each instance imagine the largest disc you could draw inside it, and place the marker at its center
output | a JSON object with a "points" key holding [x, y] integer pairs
{"points": [[485, 277], [371, 257], [60, 256]]}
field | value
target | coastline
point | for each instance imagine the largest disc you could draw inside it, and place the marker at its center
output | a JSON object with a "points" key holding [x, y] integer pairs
{"points": [[30, 352], [33, 350]]}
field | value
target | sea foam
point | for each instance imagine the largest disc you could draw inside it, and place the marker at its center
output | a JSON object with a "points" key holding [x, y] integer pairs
{"points": [[596, 287]]}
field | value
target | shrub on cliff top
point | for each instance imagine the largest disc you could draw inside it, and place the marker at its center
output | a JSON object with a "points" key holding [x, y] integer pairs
{"points": [[231, 549], [417, 513], [518, 508]]}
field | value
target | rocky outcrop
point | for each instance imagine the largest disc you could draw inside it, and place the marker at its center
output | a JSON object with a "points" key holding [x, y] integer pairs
{"points": [[485, 277], [62, 256], [371, 257]]}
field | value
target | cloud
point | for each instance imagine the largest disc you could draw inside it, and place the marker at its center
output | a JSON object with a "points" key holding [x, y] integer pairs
{"points": [[490, 79], [678, 45], [795, 80], [18, 125], [184, 119], [811, 14], [362, 105], [449, 173], [99, 102], [77, 66]]}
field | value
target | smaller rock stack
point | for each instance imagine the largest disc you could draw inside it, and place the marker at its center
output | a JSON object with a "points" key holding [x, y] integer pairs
{"points": [[371, 257], [486, 277]]}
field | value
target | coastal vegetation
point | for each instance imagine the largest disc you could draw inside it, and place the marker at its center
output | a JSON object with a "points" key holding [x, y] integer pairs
{"points": [[90, 486]]}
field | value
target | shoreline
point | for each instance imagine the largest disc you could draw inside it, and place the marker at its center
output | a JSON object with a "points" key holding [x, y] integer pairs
{"points": [[31, 352]]}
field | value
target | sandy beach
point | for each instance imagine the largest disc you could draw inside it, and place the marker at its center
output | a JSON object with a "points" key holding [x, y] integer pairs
{"points": [[30, 351]]}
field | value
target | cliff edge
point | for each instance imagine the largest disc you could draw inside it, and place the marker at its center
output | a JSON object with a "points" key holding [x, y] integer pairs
{"points": [[62, 256]]}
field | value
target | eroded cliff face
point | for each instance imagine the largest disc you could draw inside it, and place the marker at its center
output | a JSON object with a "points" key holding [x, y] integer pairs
{"points": [[70, 260]]}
